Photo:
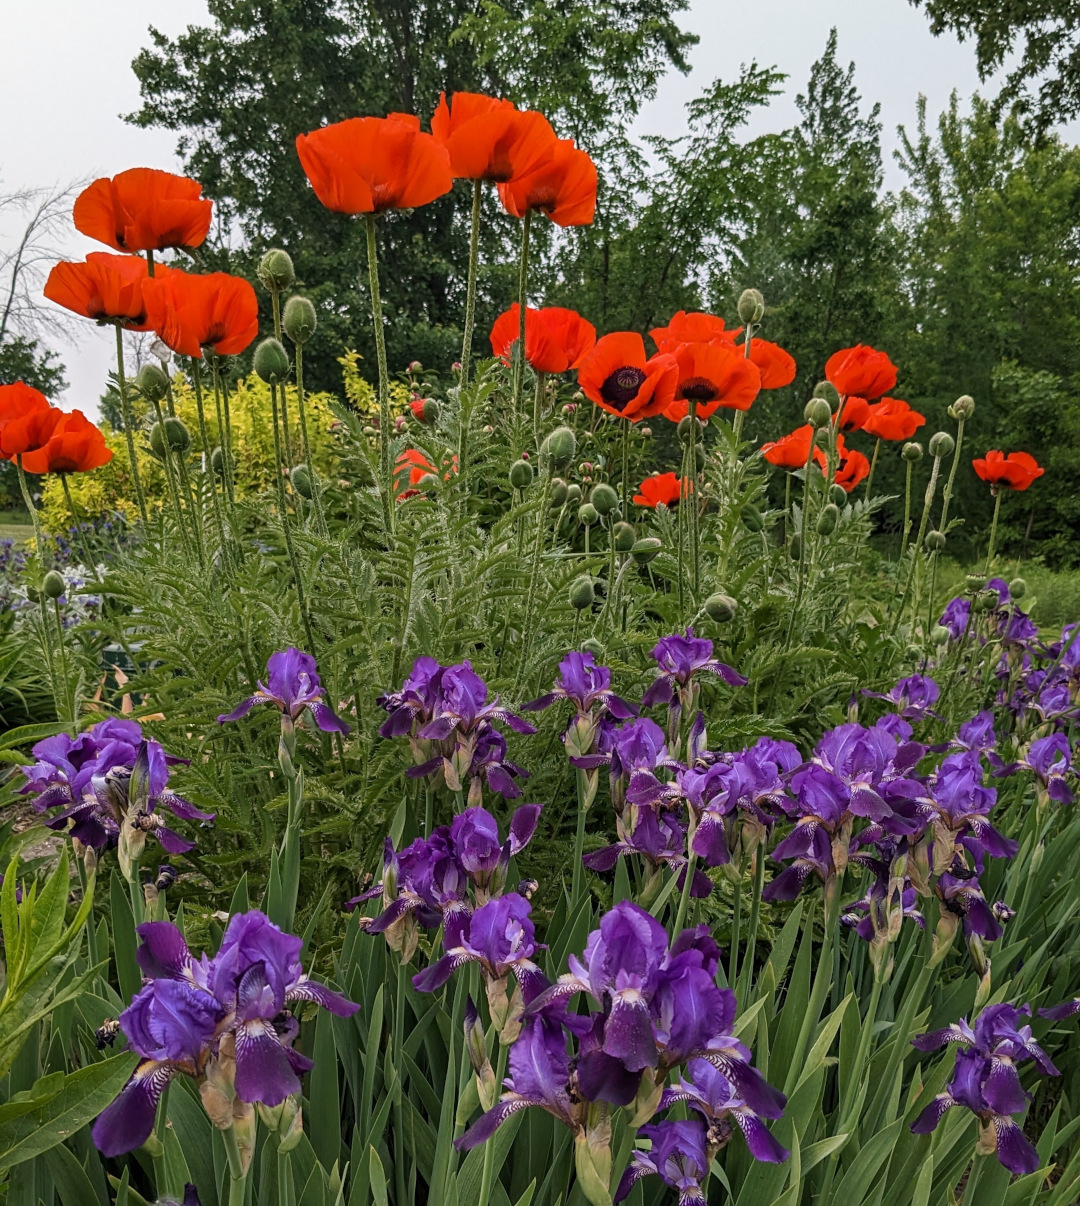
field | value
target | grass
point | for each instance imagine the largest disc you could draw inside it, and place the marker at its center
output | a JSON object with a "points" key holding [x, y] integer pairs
{"points": [[15, 525]]}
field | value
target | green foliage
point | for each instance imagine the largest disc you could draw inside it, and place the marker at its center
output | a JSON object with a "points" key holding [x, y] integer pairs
{"points": [[23, 359]]}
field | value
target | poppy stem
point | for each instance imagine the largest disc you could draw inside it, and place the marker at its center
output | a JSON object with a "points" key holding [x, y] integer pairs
{"points": [[76, 519], [174, 492], [907, 511], [928, 502], [787, 510], [129, 421], [538, 397], [873, 466], [470, 287], [626, 468], [301, 403], [35, 519], [534, 575], [204, 441], [523, 284], [945, 500], [802, 554], [386, 484], [286, 525], [223, 435], [692, 411], [993, 528], [275, 300]]}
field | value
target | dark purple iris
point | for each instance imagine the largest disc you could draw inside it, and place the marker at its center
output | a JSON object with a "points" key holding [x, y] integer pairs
{"points": [[961, 894], [292, 686], [481, 853], [1050, 759], [976, 734], [913, 697], [423, 883], [888, 901], [956, 617], [462, 706], [680, 659], [987, 1083], [587, 686], [678, 1156], [414, 705], [661, 840], [960, 805]]}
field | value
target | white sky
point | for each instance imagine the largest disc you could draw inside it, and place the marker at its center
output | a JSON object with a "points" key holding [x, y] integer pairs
{"points": [[66, 80]]}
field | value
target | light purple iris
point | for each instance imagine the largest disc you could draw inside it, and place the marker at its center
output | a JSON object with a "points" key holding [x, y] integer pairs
{"points": [[976, 734], [913, 697], [986, 1080], [680, 659], [678, 1156], [587, 686], [292, 686], [192, 1013]]}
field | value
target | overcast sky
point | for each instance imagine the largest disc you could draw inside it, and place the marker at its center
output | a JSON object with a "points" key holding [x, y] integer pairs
{"points": [[67, 80]]}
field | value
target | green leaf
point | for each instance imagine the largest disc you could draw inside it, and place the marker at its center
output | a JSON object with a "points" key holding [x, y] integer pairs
{"points": [[73, 1186], [862, 1170], [324, 1108], [125, 940], [377, 1178]]}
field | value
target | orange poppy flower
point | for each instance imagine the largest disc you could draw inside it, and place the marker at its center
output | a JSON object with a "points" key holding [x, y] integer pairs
{"points": [[861, 371], [144, 209], [76, 446], [191, 312], [893, 419], [490, 139], [713, 375], [18, 400], [620, 379], [791, 451], [366, 165], [416, 466], [556, 339], [563, 185], [1017, 470], [693, 327], [662, 489], [852, 467], [107, 288], [854, 413], [30, 430], [777, 366]]}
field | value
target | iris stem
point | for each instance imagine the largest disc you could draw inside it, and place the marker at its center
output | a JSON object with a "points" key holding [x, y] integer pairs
{"points": [[578, 872], [138, 900], [487, 1175], [399, 1127], [751, 937], [820, 989], [86, 885], [523, 286], [736, 931], [386, 484], [129, 420], [237, 1172], [993, 530], [978, 1163], [470, 287], [688, 884]]}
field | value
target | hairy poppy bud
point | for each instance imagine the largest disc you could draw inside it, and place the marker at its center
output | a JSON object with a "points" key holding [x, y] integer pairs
{"points": [[817, 412], [699, 457], [157, 440], [429, 411], [560, 491], [587, 514], [645, 431], [751, 305], [276, 270], [428, 482], [52, 586], [795, 547], [1018, 588], [176, 434], [521, 475], [683, 428], [963, 407], [837, 495], [828, 391], [299, 319], [911, 452], [604, 498], [720, 607], [646, 549], [582, 593], [558, 448], [152, 383], [986, 600], [573, 494], [752, 518], [828, 519], [270, 362], [301, 481], [940, 635], [941, 444], [593, 646], [217, 462], [624, 536], [935, 541]]}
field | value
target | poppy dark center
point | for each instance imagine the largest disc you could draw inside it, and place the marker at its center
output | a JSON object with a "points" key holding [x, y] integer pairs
{"points": [[621, 388], [698, 389]]}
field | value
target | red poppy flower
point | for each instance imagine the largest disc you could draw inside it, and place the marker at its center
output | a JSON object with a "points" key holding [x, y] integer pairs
{"points": [[563, 186], [713, 375], [556, 339], [854, 414], [662, 488], [29, 430], [1017, 470], [791, 451], [416, 466], [852, 467], [18, 400], [76, 446], [893, 419], [191, 312], [861, 371], [366, 165], [620, 379], [144, 209], [777, 366], [490, 139], [107, 288], [693, 327]]}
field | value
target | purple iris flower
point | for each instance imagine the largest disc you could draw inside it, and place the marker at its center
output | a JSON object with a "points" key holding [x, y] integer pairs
{"points": [[713, 796], [1050, 760], [661, 840], [678, 1156], [956, 616], [819, 842], [194, 1014], [65, 766], [960, 805], [475, 841], [986, 1081], [462, 706], [424, 881], [585, 685], [961, 894], [976, 734], [680, 659], [292, 685], [913, 697], [889, 899], [1054, 703], [867, 762], [414, 705]]}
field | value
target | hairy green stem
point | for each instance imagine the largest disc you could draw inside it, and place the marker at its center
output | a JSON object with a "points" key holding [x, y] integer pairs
{"points": [[204, 440], [873, 466], [519, 361], [386, 482], [35, 519], [301, 405], [470, 288], [993, 529], [286, 523], [129, 421]]}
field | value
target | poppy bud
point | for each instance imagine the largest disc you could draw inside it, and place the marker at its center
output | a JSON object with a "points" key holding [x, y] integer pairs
{"points": [[974, 583], [270, 362], [963, 407], [827, 520], [587, 514], [415, 367], [428, 482], [941, 444], [176, 434], [935, 541], [699, 457], [645, 431], [52, 586], [828, 391], [683, 428], [301, 481], [646, 549], [837, 495], [751, 305], [1018, 588], [582, 593], [573, 494], [604, 498], [623, 534], [911, 452], [558, 448], [276, 270], [369, 430], [817, 412], [152, 383], [940, 635], [217, 462], [593, 646], [913, 653], [429, 412], [299, 319], [987, 600], [720, 607], [157, 440], [560, 491], [521, 475], [795, 548], [752, 518]]}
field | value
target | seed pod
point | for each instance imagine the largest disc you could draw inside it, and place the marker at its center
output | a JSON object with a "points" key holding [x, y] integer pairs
{"points": [[974, 583], [963, 407], [752, 518], [301, 481], [838, 495], [646, 549], [941, 444], [521, 475], [624, 536], [940, 635], [558, 448], [935, 541], [276, 270], [721, 607], [573, 494], [152, 383], [299, 319], [827, 520], [604, 498], [1018, 588], [912, 452], [560, 491], [751, 306], [270, 362], [582, 593], [986, 600], [818, 413], [53, 586], [795, 547], [587, 514]]}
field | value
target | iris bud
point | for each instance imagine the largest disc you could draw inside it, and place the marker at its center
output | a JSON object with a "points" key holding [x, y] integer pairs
{"points": [[301, 481], [152, 383], [720, 607], [604, 498], [52, 586], [963, 407], [521, 475], [751, 305], [645, 549], [941, 444], [935, 541], [558, 448], [752, 518], [276, 270], [795, 547], [624, 536], [837, 495], [827, 520], [587, 514], [270, 362], [573, 494], [1018, 588], [582, 593], [560, 491], [817, 412], [911, 452], [299, 319]]}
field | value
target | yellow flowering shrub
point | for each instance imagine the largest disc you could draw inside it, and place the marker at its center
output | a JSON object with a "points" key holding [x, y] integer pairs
{"points": [[362, 395]]}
